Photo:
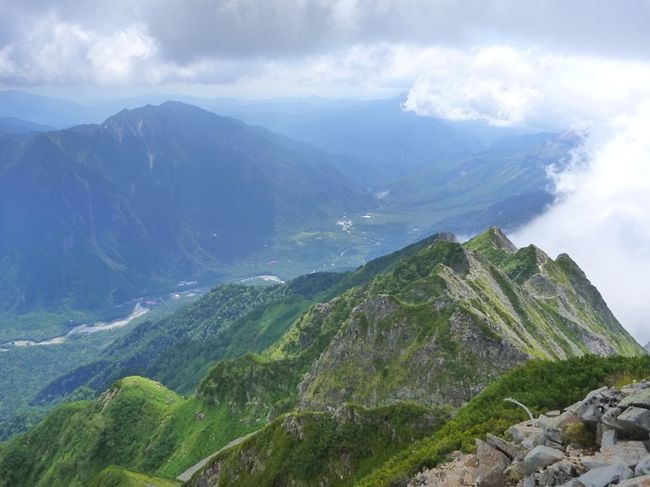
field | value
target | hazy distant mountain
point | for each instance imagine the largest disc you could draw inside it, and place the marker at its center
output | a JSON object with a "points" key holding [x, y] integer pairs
{"points": [[11, 125], [380, 134], [63, 113], [101, 213]]}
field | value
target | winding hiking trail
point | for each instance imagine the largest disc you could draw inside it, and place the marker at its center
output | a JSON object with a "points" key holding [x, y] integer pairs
{"points": [[187, 474]]}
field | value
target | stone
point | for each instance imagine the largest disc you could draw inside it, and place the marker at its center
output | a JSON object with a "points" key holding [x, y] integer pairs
{"points": [[571, 483], [628, 453], [636, 482], [608, 438], [643, 467], [521, 431], [609, 418], [640, 398], [491, 465], [636, 421], [603, 476], [540, 457], [511, 450], [557, 474], [529, 481], [592, 415], [532, 441], [557, 421]]}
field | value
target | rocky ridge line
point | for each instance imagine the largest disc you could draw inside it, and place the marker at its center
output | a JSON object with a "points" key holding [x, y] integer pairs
{"points": [[600, 441]]}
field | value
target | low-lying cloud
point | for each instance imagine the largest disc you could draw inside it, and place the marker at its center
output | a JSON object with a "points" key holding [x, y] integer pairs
{"points": [[601, 216]]}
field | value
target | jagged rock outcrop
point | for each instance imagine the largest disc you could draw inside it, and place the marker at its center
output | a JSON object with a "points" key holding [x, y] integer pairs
{"points": [[601, 441]]}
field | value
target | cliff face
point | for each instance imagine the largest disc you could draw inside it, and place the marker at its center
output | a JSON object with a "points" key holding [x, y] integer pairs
{"points": [[440, 325]]}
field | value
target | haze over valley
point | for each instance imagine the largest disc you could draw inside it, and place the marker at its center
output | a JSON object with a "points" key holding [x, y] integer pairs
{"points": [[332, 243]]}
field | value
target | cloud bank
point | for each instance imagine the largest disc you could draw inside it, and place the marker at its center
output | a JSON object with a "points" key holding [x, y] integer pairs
{"points": [[153, 42], [602, 212]]}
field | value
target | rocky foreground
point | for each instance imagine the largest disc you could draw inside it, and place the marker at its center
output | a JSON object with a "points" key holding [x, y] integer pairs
{"points": [[600, 441]]}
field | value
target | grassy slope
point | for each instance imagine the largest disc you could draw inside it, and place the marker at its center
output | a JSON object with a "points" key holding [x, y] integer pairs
{"points": [[136, 424], [541, 385], [317, 448], [120, 477]]}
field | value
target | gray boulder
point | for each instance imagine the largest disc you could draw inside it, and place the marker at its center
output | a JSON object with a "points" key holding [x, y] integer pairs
{"points": [[643, 467], [511, 450], [636, 421], [603, 476], [628, 453], [640, 398], [636, 482], [491, 465], [608, 438], [540, 457]]}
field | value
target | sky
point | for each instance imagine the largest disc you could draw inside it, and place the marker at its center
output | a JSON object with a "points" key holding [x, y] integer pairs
{"points": [[582, 65]]}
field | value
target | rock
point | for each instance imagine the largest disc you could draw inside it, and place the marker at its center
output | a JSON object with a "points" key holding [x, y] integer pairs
{"points": [[556, 421], [636, 421], [640, 398], [491, 465], [533, 441], [603, 476], [609, 419], [628, 453], [608, 439], [529, 481], [572, 483], [592, 415], [581, 407], [521, 431], [557, 474], [637, 482], [540, 457], [511, 450], [643, 467]]}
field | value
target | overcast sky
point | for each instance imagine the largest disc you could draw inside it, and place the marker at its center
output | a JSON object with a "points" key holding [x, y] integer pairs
{"points": [[554, 64]]}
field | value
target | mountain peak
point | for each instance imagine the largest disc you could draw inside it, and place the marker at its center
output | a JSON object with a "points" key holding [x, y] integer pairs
{"points": [[491, 240]]}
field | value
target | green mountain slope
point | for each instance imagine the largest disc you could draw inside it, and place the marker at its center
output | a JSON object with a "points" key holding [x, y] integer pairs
{"points": [[229, 321], [320, 448], [432, 325], [121, 477]]}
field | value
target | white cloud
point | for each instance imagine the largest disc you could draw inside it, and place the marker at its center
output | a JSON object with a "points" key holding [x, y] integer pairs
{"points": [[602, 214], [59, 52], [603, 218], [504, 85]]}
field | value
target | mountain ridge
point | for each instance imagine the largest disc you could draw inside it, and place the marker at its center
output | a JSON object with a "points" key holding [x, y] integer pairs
{"points": [[431, 325]]}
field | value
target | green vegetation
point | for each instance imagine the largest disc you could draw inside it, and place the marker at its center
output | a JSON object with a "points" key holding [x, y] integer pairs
{"points": [[27, 370], [120, 477], [541, 385], [137, 424], [317, 448], [432, 326]]}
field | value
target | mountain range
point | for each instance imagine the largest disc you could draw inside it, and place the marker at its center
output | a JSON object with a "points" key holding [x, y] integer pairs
{"points": [[161, 194], [345, 371], [99, 214]]}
